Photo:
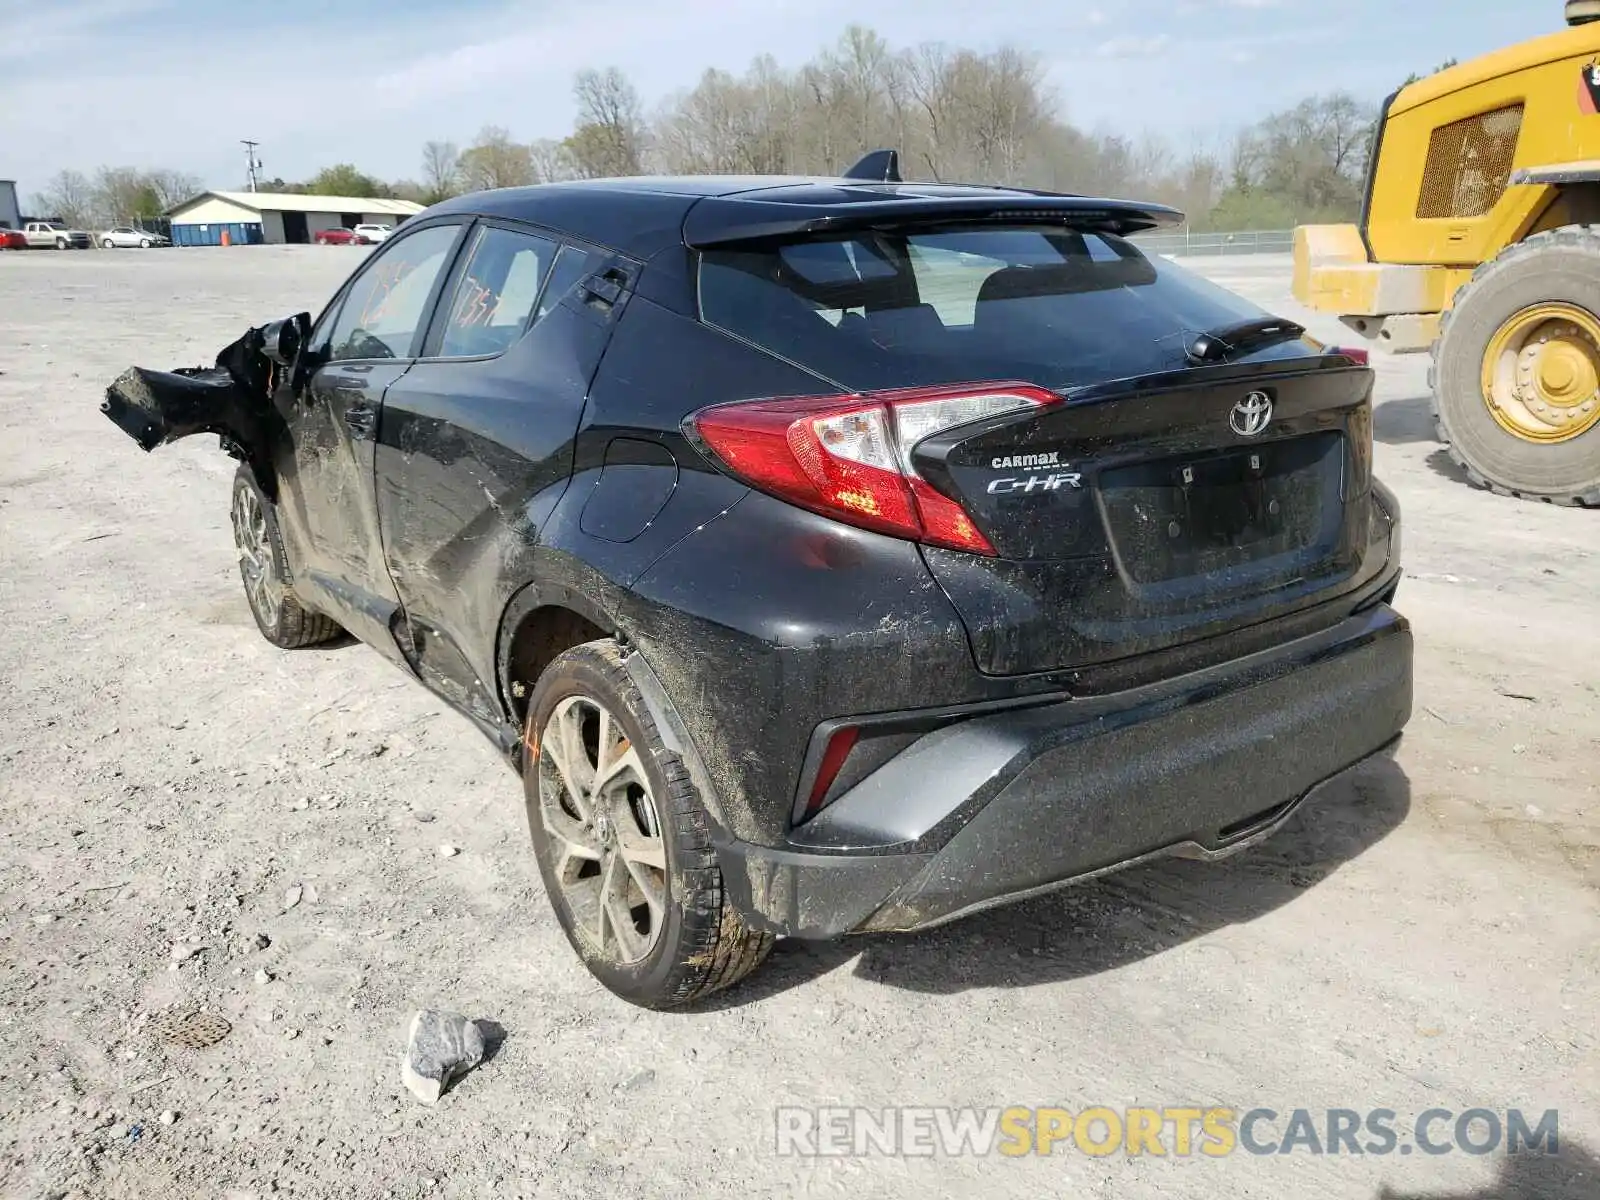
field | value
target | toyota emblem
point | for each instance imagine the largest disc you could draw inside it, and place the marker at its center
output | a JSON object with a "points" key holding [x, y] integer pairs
{"points": [[1251, 415]]}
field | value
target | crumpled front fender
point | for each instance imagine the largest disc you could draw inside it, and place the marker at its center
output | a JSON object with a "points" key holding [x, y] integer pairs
{"points": [[232, 399]]}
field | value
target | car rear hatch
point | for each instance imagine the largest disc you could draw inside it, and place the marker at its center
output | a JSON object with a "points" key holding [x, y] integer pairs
{"points": [[1132, 517], [1095, 476]]}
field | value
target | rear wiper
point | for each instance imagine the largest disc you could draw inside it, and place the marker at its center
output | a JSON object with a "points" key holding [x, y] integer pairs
{"points": [[1217, 344]]}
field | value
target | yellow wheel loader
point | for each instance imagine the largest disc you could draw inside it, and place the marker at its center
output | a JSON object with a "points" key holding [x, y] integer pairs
{"points": [[1479, 242]]}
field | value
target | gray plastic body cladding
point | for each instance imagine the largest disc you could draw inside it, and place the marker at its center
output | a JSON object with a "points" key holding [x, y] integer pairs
{"points": [[1209, 772]]}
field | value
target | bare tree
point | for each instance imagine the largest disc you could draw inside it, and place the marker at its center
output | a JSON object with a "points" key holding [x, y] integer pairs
{"points": [[124, 194], [728, 125], [1311, 156], [172, 188], [495, 161], [441, 171], [551, 163], [1008, 106], [69, 197], [611, 136]]}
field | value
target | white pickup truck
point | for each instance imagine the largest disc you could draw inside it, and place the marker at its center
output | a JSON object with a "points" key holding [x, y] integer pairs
{"points": [[44, 235]]}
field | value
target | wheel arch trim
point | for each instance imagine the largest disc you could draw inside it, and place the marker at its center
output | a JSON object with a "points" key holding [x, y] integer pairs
{"points": [[565, 582]]}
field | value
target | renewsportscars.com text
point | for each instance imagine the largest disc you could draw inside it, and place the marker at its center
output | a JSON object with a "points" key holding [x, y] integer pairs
{"points": [[1179, 1131]]}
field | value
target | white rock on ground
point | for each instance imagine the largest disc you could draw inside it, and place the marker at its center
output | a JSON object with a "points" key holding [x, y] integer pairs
{"points": [[441, 1047]]}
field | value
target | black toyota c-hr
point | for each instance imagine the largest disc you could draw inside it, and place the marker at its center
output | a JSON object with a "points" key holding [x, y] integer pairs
{"points": [[827, 555]]}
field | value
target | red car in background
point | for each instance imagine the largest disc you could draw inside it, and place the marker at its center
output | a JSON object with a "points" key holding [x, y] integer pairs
{"points": [[13, 239], [338, 237]]}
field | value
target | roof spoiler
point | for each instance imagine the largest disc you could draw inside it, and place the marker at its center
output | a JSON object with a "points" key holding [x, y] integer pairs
{"points": [[720, 220], [880, 166]]}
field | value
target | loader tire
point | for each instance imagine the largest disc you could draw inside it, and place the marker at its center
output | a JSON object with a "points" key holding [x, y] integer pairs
{"points": [[1559, 270]]}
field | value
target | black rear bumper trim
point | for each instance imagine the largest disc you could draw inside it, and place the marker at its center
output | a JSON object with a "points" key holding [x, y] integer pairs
{"points": [[1003, 805]]}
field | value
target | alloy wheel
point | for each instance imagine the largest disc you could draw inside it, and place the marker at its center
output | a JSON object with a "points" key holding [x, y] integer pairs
{"points": [[595, 804], [257, 562]]}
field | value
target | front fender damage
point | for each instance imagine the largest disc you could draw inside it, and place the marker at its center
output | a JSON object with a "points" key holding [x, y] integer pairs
{"points": [[232, 399]]}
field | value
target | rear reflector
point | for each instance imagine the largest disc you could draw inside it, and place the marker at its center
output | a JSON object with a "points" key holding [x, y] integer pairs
{"points": [[849, 457], [839, 746]]}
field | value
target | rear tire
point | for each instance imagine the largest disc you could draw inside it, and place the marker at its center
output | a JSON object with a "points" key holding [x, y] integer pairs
{"points": [[264, 569], [108, 244], [144, 243], [1560, 267], [675, 938]]}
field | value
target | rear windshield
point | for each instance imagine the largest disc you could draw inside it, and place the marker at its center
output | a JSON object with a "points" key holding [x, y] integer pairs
{"points": [[1046, 305]]}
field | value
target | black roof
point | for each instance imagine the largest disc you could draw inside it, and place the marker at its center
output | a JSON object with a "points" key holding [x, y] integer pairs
{"points": [[642, 215]]}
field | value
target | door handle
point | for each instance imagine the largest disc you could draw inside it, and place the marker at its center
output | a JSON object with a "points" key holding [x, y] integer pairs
{"points": [[362, 420]]}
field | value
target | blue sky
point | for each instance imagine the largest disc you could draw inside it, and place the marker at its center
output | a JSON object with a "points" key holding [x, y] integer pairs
{"points": [[176, 83]]}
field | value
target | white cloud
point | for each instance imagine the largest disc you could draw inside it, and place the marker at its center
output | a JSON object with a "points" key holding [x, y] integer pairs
{"points": [[33, 32], [1134, 46]]}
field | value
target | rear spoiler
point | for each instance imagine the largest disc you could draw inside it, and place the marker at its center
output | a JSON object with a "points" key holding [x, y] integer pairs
{"points": [[720, 220]]}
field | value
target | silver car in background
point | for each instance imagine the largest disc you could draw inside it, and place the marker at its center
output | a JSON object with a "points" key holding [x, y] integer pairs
{"points": [[126, 236]]}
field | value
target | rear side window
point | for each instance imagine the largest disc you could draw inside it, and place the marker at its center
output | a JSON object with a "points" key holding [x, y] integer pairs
{"points": [[1041, 304], [573, 265], [496, 294]]}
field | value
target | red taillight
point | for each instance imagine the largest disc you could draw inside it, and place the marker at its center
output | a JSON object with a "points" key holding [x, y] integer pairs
{"points": [[849, 457], [1361, 358]]}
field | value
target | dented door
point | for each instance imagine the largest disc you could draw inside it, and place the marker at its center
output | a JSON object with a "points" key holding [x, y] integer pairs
{"points": [[333, 434], [357, 356], [477, 446]]}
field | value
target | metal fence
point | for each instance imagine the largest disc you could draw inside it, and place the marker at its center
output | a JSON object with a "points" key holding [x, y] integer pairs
{"points": [[1187, 244]]}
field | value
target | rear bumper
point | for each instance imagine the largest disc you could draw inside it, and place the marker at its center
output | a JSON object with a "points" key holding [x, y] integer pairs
{"points": [[1000, 806]]}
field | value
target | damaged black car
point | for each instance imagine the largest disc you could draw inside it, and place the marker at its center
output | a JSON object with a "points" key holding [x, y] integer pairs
{"points": [[828, 556]]}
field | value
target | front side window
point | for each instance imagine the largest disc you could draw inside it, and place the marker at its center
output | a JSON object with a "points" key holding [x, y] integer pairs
{"points": [[387, 304], [495, 297]]}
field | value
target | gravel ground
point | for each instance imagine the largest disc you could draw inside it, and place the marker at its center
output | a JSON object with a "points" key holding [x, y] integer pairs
{"points": [[1425, 937]]}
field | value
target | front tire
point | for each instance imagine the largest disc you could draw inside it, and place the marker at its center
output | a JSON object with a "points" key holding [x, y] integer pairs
{"points": [[1516, 370], [108, 244], [144, 243], [264, 569], [61, 243], [623, 840]]}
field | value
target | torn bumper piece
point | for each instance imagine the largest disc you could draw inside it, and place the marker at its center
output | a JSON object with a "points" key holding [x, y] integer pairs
{"points": [[1007, 805], [232, 399], [156, 407]]}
